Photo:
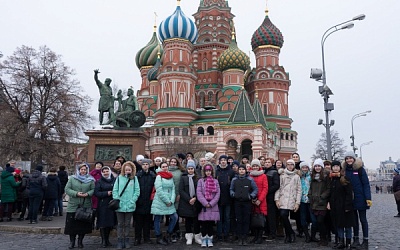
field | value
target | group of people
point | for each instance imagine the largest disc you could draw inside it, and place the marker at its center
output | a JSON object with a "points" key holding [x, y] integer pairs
{"points": [[37, 192], [254, 198]]}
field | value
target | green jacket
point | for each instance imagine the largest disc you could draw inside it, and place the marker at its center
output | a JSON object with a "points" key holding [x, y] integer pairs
{"points": [[8, 187], [72, 188], [165, 193], [129, 197]]}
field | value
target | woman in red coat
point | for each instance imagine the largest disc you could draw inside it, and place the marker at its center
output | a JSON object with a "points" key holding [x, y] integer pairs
{"points": [[259, 205]]}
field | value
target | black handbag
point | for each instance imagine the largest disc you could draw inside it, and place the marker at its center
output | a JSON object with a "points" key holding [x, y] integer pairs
{"points": [[114, 203], [257, 219], [84, 214]]}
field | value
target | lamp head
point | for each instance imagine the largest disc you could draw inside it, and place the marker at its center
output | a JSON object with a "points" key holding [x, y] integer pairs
{"points": [[316, 74], [320, 121], [347, 26], [359, 17]]}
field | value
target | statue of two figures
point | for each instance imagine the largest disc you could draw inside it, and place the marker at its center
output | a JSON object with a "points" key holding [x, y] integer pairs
{"points": [[127, 114]]}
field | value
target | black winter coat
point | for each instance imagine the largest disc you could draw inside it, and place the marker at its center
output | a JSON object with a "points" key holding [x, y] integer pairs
{"points": [[273, 182], [37, 184], [224, 177], [185, 209], [105, 216], [146, 183], [341, 199], [63, 177], [53, 190]]}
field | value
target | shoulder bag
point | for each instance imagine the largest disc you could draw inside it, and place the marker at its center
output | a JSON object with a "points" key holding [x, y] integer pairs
{"points": [[257, 219], [84, 214], [114, 203]]}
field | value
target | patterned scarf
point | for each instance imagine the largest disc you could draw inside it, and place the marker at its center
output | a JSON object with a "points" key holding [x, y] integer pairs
{"points": [[210, 188]]}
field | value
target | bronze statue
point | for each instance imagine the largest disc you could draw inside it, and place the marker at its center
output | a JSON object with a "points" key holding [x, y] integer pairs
{"points": [[106, 102]]}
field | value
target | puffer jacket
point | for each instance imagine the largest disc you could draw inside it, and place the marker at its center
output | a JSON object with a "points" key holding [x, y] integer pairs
{"points": [[129, 197], [8, 186], [165, 193], [72, 188], [361, 187], [289, 192], [319, 191], [262, 185]]}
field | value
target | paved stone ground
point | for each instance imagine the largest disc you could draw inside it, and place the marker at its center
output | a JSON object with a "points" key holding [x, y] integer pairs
{"points": [[384, 233]]}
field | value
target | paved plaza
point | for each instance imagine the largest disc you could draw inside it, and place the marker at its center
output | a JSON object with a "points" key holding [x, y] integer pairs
{"points": [[384, 233]]}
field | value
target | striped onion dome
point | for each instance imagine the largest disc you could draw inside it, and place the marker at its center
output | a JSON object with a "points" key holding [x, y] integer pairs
{"points": [[267, 34], [233, 58], [178, 25], [153, 72], [147, 56]]}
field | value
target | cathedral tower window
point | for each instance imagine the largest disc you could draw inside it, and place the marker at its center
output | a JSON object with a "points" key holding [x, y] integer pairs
{"points": [[265, 106], [210, 130], [185, 132], [167, 100], [163, 131], [279, 109], [200, 131], [169, 131], [176, 131], [271, 97]]}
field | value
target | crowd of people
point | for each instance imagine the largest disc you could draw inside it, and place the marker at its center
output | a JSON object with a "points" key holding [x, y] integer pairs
{"points": [[218, 199]]}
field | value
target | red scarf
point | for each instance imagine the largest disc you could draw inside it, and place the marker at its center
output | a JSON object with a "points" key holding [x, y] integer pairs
{"points": [[334, 175], [165, 175]]}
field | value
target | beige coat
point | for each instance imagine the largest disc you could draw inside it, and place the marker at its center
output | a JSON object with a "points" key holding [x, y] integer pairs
{"points": [[289, 192]]}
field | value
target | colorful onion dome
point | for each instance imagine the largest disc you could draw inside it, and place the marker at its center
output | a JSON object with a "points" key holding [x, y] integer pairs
{"points": [[267, 34], [153, 72], [147, 56], [178, 25], [233, 58]]}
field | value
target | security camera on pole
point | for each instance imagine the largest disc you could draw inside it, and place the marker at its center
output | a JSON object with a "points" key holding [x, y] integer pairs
{"points": [[320, 75]]}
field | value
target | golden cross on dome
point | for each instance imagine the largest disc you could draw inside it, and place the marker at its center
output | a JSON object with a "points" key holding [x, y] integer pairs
{"points": [[266, 7], [155, 21], [233, 30], [178, 2]]}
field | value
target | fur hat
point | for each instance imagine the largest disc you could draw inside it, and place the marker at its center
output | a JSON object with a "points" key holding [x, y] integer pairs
{"points": [[255, 162], [208, 156], [327, 162], [318, 161], [350, 154], [190, 164], [303, 163], [139, 158]]}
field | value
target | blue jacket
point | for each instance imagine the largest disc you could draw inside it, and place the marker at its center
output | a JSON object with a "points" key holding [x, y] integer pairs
{"points": [[129, 197], [361, 188]]}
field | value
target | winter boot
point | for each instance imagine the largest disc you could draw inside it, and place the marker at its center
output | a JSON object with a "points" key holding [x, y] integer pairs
{"points": [[364, 245], [313, 237], [336, 242], [348, 244], [356, 242], [80, 240], [244, 241], [107, 231], [103, 237], [259, 239], [120, 243], [72, 241], [160, 240], [168, 238], [292, 238], [209, 241], [197, 238], [323, 242], [204, 241], [287, 239], [127, 244], [340, 244], [189, 238], [307, 235]]}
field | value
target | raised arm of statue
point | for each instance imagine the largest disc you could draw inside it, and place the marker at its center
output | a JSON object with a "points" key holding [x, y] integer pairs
{"points": [[96, 78]]}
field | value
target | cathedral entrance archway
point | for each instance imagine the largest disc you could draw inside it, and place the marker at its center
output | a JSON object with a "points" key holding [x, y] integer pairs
{"points": [[246, 147]]}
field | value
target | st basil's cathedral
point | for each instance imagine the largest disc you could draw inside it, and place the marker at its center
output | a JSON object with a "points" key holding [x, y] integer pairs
{"points": [[198, 86]]}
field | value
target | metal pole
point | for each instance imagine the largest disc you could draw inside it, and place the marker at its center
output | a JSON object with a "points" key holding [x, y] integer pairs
{"points": [[328, 128]]}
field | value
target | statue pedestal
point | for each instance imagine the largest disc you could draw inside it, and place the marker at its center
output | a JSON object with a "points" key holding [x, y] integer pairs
{"points": [[106, 144]]}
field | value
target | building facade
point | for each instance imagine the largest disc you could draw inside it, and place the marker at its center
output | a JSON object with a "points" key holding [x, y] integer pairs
{"points": [[198, 87]]}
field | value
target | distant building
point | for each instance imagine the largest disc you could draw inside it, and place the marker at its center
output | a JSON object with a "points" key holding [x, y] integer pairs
{"points": [[385, 170]]}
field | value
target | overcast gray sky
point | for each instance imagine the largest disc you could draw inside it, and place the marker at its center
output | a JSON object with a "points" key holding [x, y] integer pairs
{"points": [[361, 62]]}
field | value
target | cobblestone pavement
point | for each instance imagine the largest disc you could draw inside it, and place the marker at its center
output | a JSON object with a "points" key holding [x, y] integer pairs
{"points": [[384, 232]]}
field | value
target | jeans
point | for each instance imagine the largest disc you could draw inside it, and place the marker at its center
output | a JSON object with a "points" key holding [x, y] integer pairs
{"points": [[341, 231], [34, 204], [304, 213], [243, 217], [362, 214], [286, 222], [320, 222], [124, 223], [49, 207], [25, 206], [224, 222], [58, 207], [172, 221]]}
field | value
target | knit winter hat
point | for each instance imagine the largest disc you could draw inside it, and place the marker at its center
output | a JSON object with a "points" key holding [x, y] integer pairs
{"points": [[148, 161], [397, 170], [303, 163], [290, 161], [242, 166], [9, 168], [223, 157], [350, 154], [245, 156], [190, 164], [181, 156], [208, 156], [237, 163], [158, 159], [39, 168], [139, 157], [255, 162], [334, 163], [318, 161]]}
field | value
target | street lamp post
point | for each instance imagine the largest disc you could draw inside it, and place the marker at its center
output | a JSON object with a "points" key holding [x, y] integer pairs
{"points": [[320, 75], [352, 127], [364, 144]]}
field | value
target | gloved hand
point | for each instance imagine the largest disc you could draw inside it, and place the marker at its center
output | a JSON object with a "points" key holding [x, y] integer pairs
{"points": [[369, 203]]}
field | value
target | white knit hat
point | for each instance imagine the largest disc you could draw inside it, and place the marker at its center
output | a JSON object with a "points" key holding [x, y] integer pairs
{"points": [[139, 157], [208, 156]]}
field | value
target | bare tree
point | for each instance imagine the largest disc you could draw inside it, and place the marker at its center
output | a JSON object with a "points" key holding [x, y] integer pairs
{"points": [[338, 147], [43, 107]]}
